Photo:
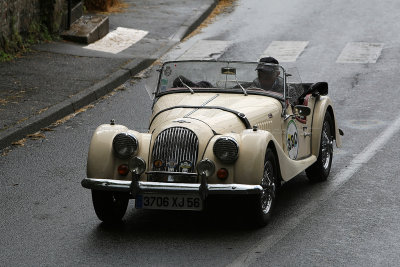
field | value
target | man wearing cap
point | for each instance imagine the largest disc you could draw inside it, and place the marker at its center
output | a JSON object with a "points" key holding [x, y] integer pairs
{"points": [[269, 79], [268, 75]]}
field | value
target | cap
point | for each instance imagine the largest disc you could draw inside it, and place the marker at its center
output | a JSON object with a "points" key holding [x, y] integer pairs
{"points": [[267, 64]]}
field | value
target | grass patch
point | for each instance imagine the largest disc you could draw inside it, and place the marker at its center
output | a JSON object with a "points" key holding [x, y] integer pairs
{"points": [[17, 44], [5, 56]]}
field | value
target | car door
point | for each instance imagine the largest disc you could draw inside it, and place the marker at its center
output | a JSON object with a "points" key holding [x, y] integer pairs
{"points": [[297, 131]]}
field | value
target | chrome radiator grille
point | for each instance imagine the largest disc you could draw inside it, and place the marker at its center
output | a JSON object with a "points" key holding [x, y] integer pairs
{"points": [[174, 149]]}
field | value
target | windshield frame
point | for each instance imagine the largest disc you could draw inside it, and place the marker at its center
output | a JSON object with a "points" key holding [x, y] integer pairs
{"points": [[250, 91]]}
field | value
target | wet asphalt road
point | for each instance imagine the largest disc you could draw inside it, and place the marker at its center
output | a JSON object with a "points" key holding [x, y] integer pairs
{"points": [[352, 219]]}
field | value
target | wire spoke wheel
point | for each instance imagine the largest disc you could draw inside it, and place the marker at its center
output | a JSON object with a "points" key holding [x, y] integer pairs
{"points": [[326, 143], [262, 205], [319, 171], [268, 185]]}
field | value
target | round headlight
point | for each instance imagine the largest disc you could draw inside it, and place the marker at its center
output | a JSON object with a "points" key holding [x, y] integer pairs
{"points": [[226, 149], [125, 145]]}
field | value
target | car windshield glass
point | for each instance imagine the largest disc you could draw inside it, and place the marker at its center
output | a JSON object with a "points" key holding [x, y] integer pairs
{"points": [[246, 77]]}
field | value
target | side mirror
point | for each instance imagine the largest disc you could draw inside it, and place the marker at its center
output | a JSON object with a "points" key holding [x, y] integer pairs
{"points": [[319, 88], [302, 111]]}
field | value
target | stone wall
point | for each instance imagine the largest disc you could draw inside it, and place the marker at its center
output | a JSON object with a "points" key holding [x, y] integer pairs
{"points": [[19, 18]]}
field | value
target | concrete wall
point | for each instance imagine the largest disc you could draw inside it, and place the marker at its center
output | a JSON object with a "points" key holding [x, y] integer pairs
{"points": [[18, 18]]}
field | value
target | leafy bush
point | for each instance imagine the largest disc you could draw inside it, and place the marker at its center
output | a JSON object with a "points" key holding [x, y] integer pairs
{"points": [[100, 5]]}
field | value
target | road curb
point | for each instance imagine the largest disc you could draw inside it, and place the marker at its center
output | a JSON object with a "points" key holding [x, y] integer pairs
{"points": [[95, 92], [189, 25]]}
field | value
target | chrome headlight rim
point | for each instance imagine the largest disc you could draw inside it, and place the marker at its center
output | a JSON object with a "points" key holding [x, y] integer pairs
{"points": [[228, 159], [131, 145]]}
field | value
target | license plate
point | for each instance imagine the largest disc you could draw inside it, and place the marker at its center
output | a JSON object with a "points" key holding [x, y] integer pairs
{"points": [[169, 202]]}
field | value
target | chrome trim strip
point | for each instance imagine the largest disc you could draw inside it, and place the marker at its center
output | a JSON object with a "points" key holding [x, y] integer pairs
{"points": [[202, 105], [106, 184], [158, 187], [173, 173]]}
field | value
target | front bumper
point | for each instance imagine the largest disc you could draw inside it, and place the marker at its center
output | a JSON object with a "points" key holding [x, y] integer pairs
{"points": [[170, 188]]}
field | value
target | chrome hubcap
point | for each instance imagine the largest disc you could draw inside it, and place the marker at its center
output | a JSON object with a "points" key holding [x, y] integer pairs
{"points": [[268, 185]]}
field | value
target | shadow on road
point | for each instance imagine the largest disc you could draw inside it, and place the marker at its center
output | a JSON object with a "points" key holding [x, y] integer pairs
{"points": [[222, 217]]}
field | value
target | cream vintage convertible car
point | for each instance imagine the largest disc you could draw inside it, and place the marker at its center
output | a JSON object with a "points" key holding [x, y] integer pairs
{"points": [[213, 131]]}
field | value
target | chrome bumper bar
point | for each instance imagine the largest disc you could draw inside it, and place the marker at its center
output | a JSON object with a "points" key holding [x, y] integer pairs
{"points": [[177, 188]]}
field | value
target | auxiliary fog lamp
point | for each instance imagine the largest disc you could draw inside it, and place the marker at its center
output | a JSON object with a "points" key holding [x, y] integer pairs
{"points": [[137, 165], [206, 167]]}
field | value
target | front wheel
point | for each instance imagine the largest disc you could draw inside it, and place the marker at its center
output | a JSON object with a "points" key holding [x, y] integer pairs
{"points": [[264, 203], [319, 171], [110, 207]]}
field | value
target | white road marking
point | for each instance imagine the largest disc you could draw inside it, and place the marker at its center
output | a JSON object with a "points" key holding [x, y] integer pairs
{"points": [[364, 124], [342, 177], [117, 40], [206, 50], [360, 52], [285, 51]]}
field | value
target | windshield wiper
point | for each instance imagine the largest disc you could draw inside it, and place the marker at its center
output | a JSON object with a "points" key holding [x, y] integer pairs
{"points": [[187, 86], [244, 90]]}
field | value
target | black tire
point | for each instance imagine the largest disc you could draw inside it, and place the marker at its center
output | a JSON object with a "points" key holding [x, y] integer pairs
{"points": [[110, 207], [263, 204], [319, 171]]}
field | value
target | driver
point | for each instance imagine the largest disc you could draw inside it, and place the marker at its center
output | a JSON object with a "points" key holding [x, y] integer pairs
{"points": [[268, 75]]}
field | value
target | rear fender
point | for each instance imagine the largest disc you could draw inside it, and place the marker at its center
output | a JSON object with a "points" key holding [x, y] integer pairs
{"points": [[323, 105]]}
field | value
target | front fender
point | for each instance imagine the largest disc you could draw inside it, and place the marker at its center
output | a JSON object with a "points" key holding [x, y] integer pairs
{"points": [[101, 161], [250, 165], [248, 168]]}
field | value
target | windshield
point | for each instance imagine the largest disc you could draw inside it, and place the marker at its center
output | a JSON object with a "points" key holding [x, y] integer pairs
{"points": [[241, 77]]}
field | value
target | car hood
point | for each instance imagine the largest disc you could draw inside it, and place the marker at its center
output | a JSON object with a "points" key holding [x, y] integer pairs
{"points": [[219, 114]]}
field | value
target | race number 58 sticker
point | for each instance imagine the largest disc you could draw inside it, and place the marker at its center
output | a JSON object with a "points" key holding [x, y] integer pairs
{"points": [[292, 140]]}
